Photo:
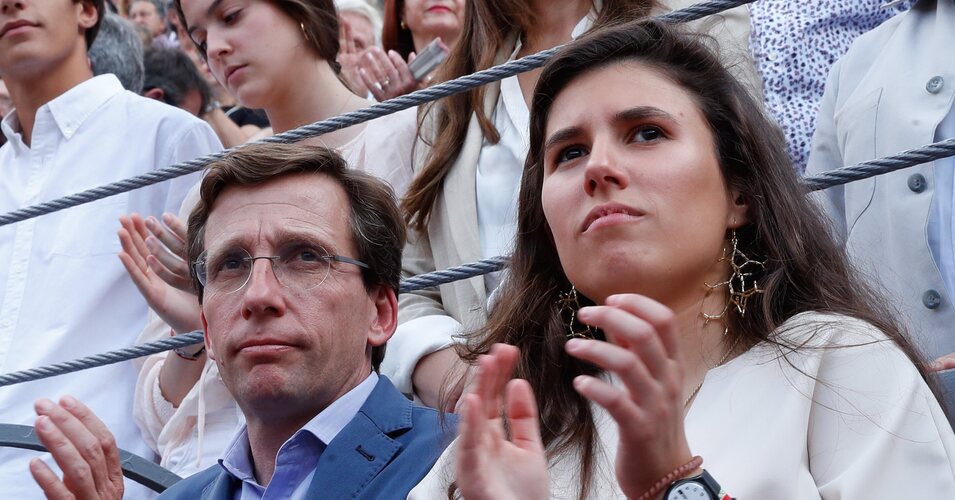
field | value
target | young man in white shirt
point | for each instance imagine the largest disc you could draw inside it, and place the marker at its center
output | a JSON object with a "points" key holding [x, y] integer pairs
{"points": [[63, 292]]}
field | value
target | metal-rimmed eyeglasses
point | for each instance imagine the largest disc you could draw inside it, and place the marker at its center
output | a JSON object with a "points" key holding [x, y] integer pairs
{"points": [[297, 266]]}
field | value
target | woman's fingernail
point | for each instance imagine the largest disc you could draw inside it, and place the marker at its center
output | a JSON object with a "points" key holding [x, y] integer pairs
{"points": [[574, 344]]}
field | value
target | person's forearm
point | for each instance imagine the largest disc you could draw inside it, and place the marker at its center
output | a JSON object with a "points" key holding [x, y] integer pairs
{"points": [[177, 376], [229, 133]]}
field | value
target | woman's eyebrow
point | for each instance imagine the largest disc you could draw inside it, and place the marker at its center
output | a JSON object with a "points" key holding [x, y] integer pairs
{"points": [[209, 12], [641, 113], [561, 136]]}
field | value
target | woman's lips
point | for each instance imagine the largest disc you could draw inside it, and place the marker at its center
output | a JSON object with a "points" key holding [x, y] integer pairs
{"points": [[609, 214], [234, 72], [611, 220]]}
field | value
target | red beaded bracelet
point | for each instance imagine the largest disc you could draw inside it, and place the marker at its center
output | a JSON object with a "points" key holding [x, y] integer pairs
{"points": [[668, 479]]}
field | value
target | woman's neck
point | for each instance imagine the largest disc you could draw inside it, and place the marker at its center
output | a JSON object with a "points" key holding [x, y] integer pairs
{"points": [[315, 94], [703, 342], [421, 40], [553, 25], [554, 22]]}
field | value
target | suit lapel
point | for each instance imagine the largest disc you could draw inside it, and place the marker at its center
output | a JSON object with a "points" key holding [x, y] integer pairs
{"points": [[223, 487], [363, 448]]}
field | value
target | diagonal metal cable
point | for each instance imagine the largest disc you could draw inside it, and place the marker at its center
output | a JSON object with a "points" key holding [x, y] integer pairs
{"points": [[345, 120], [103, 359], [452, 274], [879, 166], [411, 284]]}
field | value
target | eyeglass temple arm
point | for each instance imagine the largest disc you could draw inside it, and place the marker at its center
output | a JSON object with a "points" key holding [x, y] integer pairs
{"points": [[349, 260]]}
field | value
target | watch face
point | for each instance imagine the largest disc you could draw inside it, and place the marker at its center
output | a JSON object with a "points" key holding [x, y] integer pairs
{"points": [[689, 491]]}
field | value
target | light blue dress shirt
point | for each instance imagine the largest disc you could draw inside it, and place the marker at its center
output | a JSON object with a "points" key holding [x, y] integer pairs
{"points": [[298, 457]]}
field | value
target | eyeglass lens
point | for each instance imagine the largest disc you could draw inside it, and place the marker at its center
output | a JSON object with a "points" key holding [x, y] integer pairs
{"points": [[296, 266]]}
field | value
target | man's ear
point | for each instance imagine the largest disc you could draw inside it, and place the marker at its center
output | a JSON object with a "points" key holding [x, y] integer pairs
{"points": [[87, 15], [386, 316], [155, 93], [205, 335], [738, 210]]}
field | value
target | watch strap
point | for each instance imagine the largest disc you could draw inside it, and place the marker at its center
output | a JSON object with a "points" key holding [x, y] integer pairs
{"points": [[707, 481]]}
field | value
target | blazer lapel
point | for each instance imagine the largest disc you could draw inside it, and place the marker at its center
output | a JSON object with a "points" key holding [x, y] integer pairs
{"points": [[458, 202], [223, 487], [363, 448]]}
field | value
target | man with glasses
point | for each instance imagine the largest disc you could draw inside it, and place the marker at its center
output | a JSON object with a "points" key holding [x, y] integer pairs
{"points": [[297, 261]]}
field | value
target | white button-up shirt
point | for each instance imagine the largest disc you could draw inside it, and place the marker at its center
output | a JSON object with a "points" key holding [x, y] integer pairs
{"points": [[63, 291]]}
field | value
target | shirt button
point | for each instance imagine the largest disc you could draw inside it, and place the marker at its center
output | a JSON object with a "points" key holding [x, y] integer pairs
{"points": [[917, 183], [931, 299], [935, 84]]}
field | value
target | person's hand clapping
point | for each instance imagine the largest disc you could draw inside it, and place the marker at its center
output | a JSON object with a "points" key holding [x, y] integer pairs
{"points": [[489, 465], [349, 58], [153, 257], [84, 449], [642, 352]]}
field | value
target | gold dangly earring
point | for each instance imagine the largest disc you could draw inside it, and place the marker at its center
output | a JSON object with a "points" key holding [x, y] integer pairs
{"points": [[304, 33], [741, 285], [567, 306], [403, 25]]}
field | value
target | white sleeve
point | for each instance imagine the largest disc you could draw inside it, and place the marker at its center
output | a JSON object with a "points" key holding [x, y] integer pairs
{"points": [[876, 429], [412, 341], [151, 410]]}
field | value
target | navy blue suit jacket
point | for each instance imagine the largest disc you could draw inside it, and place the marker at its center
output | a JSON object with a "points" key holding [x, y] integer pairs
{"points": [[383, 452]]}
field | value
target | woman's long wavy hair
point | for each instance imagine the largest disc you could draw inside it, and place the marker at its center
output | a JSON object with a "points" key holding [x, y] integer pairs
{"points": [[488, 26], [393, 36], [804, 268]]}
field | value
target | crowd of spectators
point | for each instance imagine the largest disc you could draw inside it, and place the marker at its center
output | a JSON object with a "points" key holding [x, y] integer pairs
{"points": [[673, 294]]}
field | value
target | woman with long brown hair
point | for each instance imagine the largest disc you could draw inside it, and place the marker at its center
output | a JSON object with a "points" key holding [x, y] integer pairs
{"points": [[462, 202], [674, 297]]}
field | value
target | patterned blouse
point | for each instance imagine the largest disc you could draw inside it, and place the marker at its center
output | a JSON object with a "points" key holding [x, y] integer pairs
{"points": [[794, 44]]}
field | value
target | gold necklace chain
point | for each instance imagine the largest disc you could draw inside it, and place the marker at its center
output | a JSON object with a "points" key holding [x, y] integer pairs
{"points": [[722, 360]]}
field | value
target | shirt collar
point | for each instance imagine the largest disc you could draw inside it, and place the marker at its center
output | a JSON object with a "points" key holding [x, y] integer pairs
{"points": [[70, 109], [327, 424], [237, 459], [10, 127]]}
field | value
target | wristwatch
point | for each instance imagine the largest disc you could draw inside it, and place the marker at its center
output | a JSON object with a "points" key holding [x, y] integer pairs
{"points": [[188, 352], [702, 487]]}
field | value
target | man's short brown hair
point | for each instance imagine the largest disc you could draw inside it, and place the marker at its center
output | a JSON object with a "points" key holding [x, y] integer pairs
{"points": [[377, 227]]}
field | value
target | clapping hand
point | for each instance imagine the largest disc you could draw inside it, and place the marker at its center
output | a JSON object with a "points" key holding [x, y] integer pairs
{"points": [[84, 449], [489, 465], [153, 255], [643, 353], [349, 58]]}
